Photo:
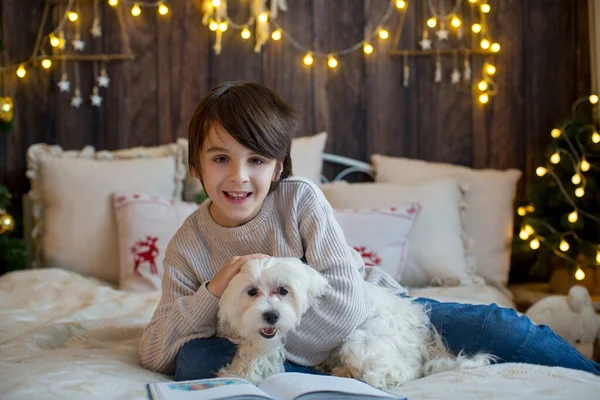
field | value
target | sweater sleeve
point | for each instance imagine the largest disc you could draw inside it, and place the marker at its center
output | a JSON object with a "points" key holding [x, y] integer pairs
{"points": [[186, 308], [325, 326]]}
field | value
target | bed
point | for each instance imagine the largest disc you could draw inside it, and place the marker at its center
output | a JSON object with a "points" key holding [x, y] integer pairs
{"points": [[66, 334]]}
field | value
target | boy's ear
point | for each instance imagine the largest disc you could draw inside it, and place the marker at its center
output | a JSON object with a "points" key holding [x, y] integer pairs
{"points": [[195, 174], [278, 171]]}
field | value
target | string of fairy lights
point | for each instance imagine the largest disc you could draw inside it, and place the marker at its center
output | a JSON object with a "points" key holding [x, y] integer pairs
{"points": [[577, 154], [263, 20]]}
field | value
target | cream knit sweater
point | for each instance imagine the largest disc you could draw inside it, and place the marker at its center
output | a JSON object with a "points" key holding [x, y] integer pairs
{"points": [[295, 221]]}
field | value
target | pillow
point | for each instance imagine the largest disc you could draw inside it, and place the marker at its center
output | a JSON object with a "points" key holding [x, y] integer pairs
{"points": [[307, 162], [145, 225], [489, 202], [74, 224], [436, 252], [380, 235]]}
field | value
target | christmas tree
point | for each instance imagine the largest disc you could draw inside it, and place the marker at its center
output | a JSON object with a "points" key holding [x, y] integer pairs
{"points": [[13, 251], [560, 218]]}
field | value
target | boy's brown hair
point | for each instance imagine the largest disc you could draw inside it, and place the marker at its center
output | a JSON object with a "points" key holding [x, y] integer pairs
{"points": [[252, 114]]}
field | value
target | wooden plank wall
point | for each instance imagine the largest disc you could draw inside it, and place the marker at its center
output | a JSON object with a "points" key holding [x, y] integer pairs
{"points": [[542, 68]]}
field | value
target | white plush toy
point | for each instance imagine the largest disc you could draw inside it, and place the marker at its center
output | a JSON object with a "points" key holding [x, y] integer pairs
{"points": [[572, 317]]}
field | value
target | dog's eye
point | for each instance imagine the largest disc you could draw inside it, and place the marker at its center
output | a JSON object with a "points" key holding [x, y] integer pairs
{"points": [[282, 291], [252, 292]]}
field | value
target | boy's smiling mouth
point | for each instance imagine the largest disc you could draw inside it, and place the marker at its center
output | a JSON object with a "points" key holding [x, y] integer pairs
{"points": [[237, 196]]}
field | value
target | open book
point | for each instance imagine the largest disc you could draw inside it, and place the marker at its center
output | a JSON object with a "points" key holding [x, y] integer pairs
{"points": [[285, 386]]}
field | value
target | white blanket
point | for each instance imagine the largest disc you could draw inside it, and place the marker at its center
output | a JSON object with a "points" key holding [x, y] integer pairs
{"points": [[63, 336]]}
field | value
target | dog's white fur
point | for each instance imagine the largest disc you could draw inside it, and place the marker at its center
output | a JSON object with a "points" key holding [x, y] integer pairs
{"points": [[394, 345]]}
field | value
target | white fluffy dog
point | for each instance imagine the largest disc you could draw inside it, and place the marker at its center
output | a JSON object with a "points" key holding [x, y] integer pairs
{"points": [[267, 299]]}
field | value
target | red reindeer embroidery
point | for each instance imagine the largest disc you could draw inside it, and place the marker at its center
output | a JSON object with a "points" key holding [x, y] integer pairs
{"points": [[370, 258], [145, 251]]}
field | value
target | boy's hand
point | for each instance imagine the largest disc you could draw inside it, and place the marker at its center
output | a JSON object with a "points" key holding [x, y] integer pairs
{"points": [[218, 284]]}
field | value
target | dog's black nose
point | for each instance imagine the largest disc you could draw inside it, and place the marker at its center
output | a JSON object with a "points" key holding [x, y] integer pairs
{"points": [[271, 317]]}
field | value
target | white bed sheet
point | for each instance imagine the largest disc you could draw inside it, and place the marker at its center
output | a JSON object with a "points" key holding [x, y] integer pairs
{"points": [[65, 336]]}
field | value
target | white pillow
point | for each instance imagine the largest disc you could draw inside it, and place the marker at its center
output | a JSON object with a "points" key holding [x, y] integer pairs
{"points": [[436, 250], [489, 202], [74, 223], [145, 225], [307, 162], [380, 235]]}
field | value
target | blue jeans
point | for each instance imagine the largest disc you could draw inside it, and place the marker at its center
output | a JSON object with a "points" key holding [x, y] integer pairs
{"points": [[470, 328]]}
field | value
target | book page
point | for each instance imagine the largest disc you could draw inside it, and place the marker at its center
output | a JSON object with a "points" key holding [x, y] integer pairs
{"points": [[206, 389], [293, 385]]}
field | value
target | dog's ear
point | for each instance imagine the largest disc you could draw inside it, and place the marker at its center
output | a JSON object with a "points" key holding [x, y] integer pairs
{"points": [[318, 283]]}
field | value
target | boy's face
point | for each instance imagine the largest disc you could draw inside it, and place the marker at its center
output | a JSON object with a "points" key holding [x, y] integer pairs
{"points": [[236, 179]]}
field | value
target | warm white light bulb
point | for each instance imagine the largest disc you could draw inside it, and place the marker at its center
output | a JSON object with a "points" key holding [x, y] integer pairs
{"points": [[523, 234], [432, 22], [564, 245], [213, 25], [21, 71], [308, 59], [579, 274], [593, 99], [521, 211], [246, 33], [495, 47], [485, 8], [367, 48], [534, 244], [276, 35], [136, 10], [384, 34], [54, 41], [162, 9], [484, 98], [401, 4], [529, 229], [555, 133], [263, 17], [483, 85], [596, 137], [455, 21], [598, 257], [485, 44], [223, 26], [216, 3], [573, 217], [576, 179], [72, 16], [579, 192], [476, 28], [555, 158], [113, 3], [541, 171], [585, 165], [332, 62], [490, 69], [46, 63]]}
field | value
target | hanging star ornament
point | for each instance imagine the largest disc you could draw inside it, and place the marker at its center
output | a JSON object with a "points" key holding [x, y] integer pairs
{"points": [[76, 100], [96, 98], [96, 29], [78, 44], [455, 76], [442, 34], [103, 80], [425, 44], [64, 84]]}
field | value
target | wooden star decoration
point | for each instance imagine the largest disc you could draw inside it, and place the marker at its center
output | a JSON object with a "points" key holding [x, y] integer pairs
{"points": [[78, 44], [76, 100], [455, 76], [442, 34], [64, 85], [96, 98], [425, 44], [103, 81]]}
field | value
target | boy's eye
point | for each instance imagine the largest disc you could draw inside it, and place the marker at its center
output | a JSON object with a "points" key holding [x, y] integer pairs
{"points": [[252, 292], [282, 291], [256, 161], [221, 159]]}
